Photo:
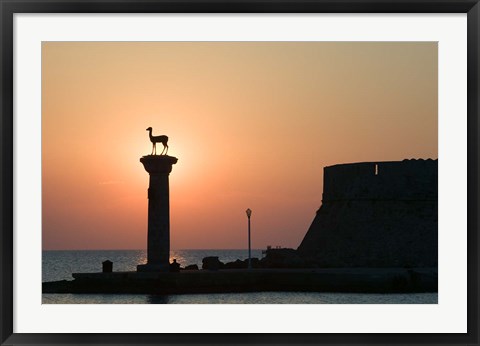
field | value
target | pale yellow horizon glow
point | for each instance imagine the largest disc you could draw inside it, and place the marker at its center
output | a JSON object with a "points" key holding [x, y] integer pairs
{"points": [[251, 123]]}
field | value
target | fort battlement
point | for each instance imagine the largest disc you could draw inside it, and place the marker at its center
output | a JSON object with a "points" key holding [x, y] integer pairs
{"points": [[392, 180], [376, 214]]}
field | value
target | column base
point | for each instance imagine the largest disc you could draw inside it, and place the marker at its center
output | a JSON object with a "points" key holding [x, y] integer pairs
{"points": [[153, 267]]}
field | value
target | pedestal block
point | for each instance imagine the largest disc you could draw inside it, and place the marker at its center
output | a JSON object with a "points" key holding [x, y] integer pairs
{"points": [[158, 238]]}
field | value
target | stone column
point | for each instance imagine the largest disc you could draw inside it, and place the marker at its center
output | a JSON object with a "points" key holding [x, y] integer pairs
{"points": [[158, 241]]}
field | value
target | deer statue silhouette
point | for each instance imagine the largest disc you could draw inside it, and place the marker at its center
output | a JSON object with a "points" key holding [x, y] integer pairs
{"points": [[158, 139]]}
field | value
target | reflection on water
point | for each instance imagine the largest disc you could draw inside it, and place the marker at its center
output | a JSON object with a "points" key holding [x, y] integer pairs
{"points": [[244, 298]]}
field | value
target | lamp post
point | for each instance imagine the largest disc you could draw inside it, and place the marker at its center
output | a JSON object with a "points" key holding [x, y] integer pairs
{"points": [[249, 213]]}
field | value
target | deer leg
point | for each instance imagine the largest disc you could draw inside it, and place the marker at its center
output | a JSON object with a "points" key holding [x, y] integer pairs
{"points": [[167, 149], [163, 149]]}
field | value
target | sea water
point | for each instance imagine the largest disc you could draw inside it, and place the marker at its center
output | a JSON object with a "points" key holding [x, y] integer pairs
{"points": [[59, 265]]}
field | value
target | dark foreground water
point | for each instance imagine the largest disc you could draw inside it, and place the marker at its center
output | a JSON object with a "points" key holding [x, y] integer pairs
{"points": [[59, 265]]}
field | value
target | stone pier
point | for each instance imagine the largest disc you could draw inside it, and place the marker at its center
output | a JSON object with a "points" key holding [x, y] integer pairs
{"points": [[158, 239]]}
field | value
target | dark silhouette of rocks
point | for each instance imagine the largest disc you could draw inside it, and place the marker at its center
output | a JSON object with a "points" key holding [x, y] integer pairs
{"points": [[275, 258], [238, 264], [376, 214], [255, 262], [211, 263], [282, 258], [191, 267]]}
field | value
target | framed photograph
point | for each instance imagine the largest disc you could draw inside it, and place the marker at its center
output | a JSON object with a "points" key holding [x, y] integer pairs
{"points": [[200, 172]]}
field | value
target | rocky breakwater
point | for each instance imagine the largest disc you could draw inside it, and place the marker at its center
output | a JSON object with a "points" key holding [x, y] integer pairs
{"points": [[280, 270]]}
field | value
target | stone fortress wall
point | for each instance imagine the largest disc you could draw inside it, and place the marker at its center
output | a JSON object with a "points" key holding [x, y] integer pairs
{"points": [[376, 214], [398, 180]]}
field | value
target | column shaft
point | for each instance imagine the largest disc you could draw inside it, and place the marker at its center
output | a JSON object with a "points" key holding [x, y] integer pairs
{"points": [[158, 236], [158, 247]]}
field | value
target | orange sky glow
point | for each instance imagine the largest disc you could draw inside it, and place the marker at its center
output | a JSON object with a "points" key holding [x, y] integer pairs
{"points": [[251, 123]]}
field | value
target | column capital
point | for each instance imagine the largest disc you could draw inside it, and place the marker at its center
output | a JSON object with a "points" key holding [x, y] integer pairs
{"points": [[158, 164]]}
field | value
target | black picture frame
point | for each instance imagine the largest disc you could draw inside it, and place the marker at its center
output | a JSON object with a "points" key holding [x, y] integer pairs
{"points": [[10, 7]]}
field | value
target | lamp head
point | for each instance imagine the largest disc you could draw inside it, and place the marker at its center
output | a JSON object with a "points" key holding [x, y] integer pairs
{"points": [[249, 212]]}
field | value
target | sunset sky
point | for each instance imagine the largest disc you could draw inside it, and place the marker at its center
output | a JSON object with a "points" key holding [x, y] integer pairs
{"points": [[251, 123]]}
